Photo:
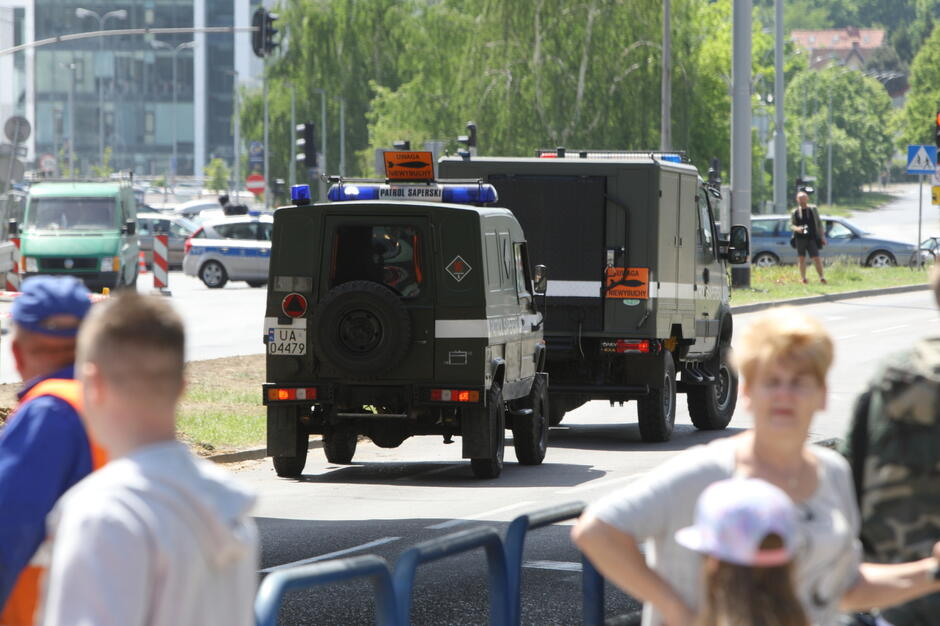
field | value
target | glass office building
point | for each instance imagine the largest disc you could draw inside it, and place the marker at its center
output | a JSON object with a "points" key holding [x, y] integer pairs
{"points": [[122, 91]]}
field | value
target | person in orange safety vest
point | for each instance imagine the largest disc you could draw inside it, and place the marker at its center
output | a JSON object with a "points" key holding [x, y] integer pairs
{"points": [[44, 447]]}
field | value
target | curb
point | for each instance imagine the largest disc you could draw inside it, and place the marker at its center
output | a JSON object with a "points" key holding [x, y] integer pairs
{"points": [[260, 453], [829, 297], [251, 455]]}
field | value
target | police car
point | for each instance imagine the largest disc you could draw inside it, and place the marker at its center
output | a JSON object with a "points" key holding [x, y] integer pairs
{"points": [[403, 309], [232, 248]]}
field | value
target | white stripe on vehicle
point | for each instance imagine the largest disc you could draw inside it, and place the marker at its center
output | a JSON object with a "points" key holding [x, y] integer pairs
{"points": [[573, 289]]}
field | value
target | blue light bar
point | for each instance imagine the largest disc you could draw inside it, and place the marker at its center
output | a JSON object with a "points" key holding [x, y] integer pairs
{"points": [[300, 194], [343, 192], [670, 158], [472, 193]]}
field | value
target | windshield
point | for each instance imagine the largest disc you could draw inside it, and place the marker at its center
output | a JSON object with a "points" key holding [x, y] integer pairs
{"points": [[70, 214]]}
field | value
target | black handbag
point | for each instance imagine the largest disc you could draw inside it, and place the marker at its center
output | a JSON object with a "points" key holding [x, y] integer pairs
{"points": [[792, 241]]}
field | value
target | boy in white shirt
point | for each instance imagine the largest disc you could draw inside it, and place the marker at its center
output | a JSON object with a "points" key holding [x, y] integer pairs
{"points": [[157, 536]]}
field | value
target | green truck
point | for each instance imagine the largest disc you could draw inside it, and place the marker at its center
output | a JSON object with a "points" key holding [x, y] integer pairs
{"points": [[84, 229], [401, 310], [637, 305]]}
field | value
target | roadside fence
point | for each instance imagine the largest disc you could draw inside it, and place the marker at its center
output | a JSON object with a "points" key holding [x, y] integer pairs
{"points": [[394, 586]]}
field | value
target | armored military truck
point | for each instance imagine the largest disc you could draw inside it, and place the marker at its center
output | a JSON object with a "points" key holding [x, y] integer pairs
{"points": [[637, 305], [399, 310]]}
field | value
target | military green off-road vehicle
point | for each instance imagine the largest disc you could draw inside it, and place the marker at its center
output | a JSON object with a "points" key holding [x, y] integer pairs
{"points": [[637, 305], [395, 311]]}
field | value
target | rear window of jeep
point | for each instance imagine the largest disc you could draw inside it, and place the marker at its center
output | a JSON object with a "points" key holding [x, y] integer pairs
{"points": [[389, 255]]}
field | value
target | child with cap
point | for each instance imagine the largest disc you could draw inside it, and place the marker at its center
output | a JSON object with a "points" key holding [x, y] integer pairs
{"points": [[44, 448], [746, 529]]}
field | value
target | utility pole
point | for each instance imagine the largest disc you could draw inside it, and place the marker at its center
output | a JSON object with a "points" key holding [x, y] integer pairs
{"points": [[264, 83], [780, 141], [342, 136], [237, 142], [292, 170], [321, 162], [829, 156], [665, 124], [741, 129]]}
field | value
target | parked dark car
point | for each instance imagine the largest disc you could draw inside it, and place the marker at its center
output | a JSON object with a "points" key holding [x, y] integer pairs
{"points": [[770, 243]]}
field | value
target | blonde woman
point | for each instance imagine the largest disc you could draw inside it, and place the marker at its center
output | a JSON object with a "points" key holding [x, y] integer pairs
{"points": [[784, 358]]}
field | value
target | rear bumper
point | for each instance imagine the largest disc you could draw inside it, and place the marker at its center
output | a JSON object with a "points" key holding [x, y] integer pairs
{"points": [[401, 397]]}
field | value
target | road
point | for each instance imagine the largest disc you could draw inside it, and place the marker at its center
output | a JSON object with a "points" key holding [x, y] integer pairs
{"points": [[219, 322], [898, 219], [389, 500]]}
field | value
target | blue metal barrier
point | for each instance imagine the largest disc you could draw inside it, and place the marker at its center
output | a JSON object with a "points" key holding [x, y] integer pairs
{"points": [[515, 542], [442, 547], [592, 594], [275, 585]]}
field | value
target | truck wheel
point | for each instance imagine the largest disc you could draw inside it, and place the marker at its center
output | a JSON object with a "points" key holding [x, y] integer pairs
{"points": [[339, 446], [364, 329], [213, 275], [657, 411], [495, 413], [292, 466], [530, 434], [711, 406]]}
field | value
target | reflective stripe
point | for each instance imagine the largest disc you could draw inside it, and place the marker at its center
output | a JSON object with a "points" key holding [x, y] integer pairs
{"points": [[461, 329], [491, 328], [574, 289]]}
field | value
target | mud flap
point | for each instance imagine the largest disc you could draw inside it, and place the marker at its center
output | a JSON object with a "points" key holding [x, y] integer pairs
{"points": [[475, 434], [283, 425]]}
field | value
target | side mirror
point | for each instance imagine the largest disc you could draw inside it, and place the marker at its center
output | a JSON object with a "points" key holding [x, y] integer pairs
{"points": [[739, 247], [540, 279], [130, 227], [13, 228]]}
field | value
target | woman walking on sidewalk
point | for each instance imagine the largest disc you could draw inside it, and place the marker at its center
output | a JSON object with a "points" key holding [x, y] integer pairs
{"points": [[784, 359]]}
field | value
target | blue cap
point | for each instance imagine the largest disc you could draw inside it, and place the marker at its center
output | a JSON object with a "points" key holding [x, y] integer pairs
{"points": [[43, 297]]}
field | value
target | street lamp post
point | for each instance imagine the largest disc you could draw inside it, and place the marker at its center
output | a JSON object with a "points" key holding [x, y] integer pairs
{"points": [[175, 50], [236, 144], [119, 14]]}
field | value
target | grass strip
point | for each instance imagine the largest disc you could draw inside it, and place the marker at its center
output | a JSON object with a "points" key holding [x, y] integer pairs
{"points": [[771, 284]]}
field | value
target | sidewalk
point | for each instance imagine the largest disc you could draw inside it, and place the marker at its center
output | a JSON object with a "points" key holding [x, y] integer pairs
{"points": [[260, 453]]}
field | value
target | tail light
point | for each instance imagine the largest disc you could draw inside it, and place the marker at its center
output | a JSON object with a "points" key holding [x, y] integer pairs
{"points": [[189, 241], [276, 394], [454, 395]]}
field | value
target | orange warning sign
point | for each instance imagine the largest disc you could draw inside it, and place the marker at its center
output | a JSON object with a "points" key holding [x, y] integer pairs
{"points": [[409, 166], [628, 283]]}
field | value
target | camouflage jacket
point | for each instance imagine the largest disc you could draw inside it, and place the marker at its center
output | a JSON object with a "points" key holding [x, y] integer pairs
{"points": [[893, 446]]}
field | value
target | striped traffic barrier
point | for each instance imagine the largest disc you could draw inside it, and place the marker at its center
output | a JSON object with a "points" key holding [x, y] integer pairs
{"points": [[13, 276], [161, 266]]}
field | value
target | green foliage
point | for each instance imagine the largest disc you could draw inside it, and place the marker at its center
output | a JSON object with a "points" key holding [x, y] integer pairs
{"points": [[103, 170], [860, 137], [917, 124], [217, 175]]}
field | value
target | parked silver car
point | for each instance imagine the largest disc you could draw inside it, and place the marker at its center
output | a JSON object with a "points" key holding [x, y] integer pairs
{"points": [[178, 230], [232, 248], [770, 243]]}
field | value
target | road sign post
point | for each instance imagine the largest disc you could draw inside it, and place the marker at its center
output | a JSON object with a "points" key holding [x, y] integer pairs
{"points": [[921, 160]]}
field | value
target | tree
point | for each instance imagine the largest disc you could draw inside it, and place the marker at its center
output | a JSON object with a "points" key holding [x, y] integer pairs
{"points": [[104, 170], [217, 175], [921, 106], [859, 133]]}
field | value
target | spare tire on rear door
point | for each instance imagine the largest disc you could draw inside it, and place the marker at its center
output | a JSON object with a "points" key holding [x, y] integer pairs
{"points": [[362, 329]]}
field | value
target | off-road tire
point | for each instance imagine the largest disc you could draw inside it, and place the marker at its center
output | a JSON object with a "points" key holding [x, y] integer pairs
{"points": [[657, 411], [712, 405], [293, 466], [495, 414], [213, 275], [363, 331], [530, 432], [339, 446]]}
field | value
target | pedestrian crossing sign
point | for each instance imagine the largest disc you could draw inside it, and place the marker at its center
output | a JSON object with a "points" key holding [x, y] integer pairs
{"points": [[921, 159]]}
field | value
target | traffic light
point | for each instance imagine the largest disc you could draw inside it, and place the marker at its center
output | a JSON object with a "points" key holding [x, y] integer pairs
{"points": [[936, 129], [269, 32], [470, 139], [306, 144], [262, 37]]}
